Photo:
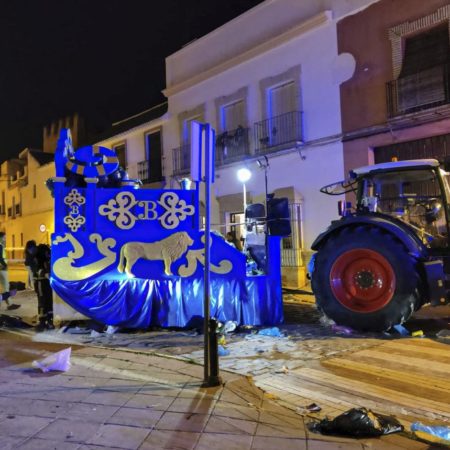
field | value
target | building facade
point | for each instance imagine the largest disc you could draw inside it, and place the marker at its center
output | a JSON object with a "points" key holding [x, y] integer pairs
{"points": [[269, 83], [397, 102], [26, 204]]}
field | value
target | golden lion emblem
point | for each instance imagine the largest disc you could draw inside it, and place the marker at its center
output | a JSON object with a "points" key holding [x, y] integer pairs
{"points": [[168, 250]]}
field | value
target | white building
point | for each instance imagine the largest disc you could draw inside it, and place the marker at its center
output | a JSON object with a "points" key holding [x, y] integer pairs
{"points": [[268, 82]]}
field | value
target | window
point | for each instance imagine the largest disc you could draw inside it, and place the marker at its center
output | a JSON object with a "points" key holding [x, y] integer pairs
{"points": [[282, 124], [281, 99], [233, 116], [121, 152], [154, 157], [187, 128], [34, 191], [422, 79]]}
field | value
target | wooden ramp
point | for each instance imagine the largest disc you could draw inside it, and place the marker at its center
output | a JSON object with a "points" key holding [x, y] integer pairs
{"points": [[408, 378]]}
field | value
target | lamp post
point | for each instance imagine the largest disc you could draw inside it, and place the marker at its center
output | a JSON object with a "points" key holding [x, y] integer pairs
{"points": [[243, 176], [264, 164]]}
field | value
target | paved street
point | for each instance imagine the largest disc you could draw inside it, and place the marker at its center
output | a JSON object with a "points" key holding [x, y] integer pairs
{"points": [[131, 388]]}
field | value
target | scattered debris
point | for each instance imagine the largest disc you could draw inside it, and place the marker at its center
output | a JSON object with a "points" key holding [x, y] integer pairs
{"points": [[341, 329], [313, 407], [282, 369], [111, 329], [12, 322], [443, 334], [229, 326], [222, 351], [418, 333], [59, 361], [74, 330], [274, 331], [357, 422], [400, 329], [436, 434], [326, 321], [95, 334]]}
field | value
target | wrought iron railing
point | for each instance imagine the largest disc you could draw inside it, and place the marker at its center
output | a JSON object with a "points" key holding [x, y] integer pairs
{"points": [[278, 132], [145, 172], [291, 251], [181, 158], [232, 145], [420, 91]]}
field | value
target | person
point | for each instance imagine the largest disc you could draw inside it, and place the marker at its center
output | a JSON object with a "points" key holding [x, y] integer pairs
{"points": [[4, 279], [30, 262], [43, 289], [231, 239]]}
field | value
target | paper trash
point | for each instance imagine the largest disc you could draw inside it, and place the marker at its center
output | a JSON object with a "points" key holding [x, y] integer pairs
{"points": [[57, 361]]}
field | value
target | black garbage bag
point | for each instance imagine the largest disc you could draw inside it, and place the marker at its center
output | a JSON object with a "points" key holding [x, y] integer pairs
{"points": [[357, 422]]}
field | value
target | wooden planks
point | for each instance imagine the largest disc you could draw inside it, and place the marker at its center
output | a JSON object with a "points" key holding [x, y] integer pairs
{"points": [[407, 377]]}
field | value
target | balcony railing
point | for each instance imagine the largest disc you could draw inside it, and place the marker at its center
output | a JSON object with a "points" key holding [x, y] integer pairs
{"points": [[232, 146], [278, 132], [145, 172], [181, 158], [417, 92]]}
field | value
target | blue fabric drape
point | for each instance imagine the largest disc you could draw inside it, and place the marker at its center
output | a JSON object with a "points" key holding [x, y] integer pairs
{"points": [[140, 303]]}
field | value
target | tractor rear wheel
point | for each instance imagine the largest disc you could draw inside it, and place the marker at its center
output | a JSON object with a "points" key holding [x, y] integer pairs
{"points": [[365, 279]]}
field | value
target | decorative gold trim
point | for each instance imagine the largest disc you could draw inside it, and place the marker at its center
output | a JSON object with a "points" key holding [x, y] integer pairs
{"points": [[64, 268]]}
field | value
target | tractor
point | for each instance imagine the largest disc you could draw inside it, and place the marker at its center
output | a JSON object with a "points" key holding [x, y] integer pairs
{"points": [[389, 254]]}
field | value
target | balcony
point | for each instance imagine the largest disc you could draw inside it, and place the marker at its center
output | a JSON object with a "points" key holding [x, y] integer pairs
{"points": [[418, 92], [181, 158], [232, 146], [278, 133], [147, 173]]}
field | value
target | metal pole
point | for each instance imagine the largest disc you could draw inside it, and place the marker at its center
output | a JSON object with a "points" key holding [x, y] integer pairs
{"points": [[206, 309]]}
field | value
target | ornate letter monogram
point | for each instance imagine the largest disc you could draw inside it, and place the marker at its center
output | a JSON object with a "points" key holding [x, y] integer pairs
{"points": [[176, 210], [119, 210], [74, 220]]}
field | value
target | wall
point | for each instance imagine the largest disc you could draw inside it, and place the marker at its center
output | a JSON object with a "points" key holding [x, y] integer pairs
{"points": [[365, 36]]}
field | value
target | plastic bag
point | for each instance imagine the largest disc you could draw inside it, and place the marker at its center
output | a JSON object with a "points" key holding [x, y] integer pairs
{"points": [[359, 422], [57, 361], [222, 351], [275, 332], [438, 434]]}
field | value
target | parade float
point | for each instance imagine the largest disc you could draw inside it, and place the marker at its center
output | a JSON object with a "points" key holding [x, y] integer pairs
{"points": [[133, 257]]}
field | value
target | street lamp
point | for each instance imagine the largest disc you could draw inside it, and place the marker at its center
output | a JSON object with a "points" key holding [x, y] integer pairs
{"points": [[243, 176]]}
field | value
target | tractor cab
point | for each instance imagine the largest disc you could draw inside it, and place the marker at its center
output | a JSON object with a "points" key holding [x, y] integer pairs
{"points": [[415, 192]]}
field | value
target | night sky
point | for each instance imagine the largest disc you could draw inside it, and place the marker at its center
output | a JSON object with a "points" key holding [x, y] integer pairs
{"points": [[102, 58]]}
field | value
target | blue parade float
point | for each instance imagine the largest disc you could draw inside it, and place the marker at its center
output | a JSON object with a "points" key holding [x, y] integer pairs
{"points": [[133, 257]]}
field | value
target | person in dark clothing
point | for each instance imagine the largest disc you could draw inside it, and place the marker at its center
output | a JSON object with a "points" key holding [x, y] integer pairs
{"points": [[43, 288], [4, 279], [30, 251]]}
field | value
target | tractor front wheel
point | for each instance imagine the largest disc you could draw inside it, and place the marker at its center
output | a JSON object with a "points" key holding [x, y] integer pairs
{"points": [[365, 279]]}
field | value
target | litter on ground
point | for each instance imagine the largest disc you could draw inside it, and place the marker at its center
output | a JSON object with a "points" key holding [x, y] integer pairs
{"points": [[59, 361]]}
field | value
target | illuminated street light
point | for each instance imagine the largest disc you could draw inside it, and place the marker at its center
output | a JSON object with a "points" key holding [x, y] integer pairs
{"points": [[243, 176]]}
